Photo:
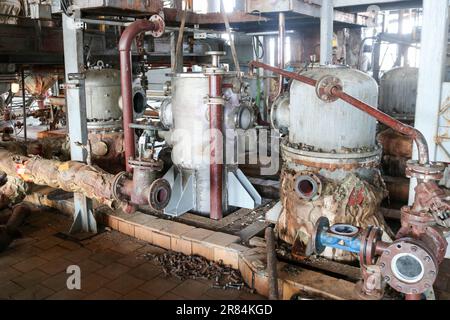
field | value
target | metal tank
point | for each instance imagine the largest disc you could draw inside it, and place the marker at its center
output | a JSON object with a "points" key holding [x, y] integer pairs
{"points": [[398, 92], [333, 127], [187, 117], [11, 9], [330, 158], [104, 118], [102, 98]]}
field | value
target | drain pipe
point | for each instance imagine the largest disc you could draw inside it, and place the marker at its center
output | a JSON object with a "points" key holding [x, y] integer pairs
{"points": [[156, 26], [331, 88]]}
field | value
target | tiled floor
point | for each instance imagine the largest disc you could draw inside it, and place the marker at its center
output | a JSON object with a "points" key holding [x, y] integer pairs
{"points": [[112, 267]]}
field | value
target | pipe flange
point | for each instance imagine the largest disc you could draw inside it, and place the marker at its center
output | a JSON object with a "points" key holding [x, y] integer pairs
{"points": [[308, 186], [244, 118], [117, 184], [432, 171], [280, 108], [324, 87], [409, 267], [151, 165], [158, 20], [369, 240], [322, 224], [159, 194]]}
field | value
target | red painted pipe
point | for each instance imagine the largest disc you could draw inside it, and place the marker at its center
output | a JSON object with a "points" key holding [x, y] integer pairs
{"points": [[382, 117], [398, 126], [216, 145], [125, 43]]}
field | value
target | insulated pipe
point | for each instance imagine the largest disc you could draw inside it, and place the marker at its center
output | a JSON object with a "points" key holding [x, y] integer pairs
{"points": [[69, 176], [126, 69], [382, 117], [216, 145]]}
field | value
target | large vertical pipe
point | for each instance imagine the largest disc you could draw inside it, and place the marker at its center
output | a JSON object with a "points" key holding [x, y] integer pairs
{"points": [[326, 32], [281, 48], [126, 40], [216, 145]]}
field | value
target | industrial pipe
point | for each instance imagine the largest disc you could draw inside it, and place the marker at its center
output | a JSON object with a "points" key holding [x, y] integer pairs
{"points": [[69, 176], [382, 117], [216, 145], [156, 25], [281, 49], [92, 182], [387, 120]]}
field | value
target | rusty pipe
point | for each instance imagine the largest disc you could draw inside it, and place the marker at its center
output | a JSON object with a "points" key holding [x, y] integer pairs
{"points": [[92, 182], [126, 69], [69, 176], [216, 145], [398, 126], [387, 120]]}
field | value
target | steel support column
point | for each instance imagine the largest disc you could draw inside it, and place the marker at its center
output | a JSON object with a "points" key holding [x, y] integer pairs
{"points": [[84, 220], [326, 32], [431, 75]]}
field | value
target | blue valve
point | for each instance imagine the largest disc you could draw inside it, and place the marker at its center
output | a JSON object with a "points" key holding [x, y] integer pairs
{"points": [[340, 236]]}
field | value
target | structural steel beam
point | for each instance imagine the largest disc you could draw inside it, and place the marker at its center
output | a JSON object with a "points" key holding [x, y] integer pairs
{"points": [[84, 220]]}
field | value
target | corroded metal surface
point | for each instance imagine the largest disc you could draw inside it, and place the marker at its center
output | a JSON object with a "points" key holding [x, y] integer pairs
{"points": [[69, 176], [350, 201]]}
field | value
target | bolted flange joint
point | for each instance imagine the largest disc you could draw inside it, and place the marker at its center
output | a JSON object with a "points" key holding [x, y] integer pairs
{"points": [[325, 86]]}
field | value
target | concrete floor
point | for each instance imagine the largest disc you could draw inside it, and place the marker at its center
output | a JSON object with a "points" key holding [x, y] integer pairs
{"points": [[113, 266]]}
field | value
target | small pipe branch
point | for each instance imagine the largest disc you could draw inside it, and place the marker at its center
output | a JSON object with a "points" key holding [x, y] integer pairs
{"points": [[126, 69]]}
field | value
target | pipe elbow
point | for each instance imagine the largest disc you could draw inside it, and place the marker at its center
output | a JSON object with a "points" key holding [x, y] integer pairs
{"points": [[132, 31], [155, 24]]}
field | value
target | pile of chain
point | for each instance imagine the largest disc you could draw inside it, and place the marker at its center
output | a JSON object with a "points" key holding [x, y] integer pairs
{"points": [[185, 267]]}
